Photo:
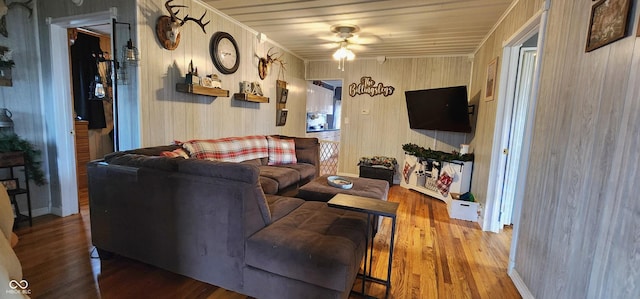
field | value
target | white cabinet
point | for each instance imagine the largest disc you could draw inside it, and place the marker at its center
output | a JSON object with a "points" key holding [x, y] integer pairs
{"points": [[319, 99], [425, 182]]}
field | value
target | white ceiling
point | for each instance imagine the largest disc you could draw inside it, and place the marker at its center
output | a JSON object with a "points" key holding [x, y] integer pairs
{"points": [[391, 28]]}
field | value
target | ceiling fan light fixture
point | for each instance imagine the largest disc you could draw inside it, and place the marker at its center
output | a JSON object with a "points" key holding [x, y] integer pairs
{"points": [[344, 53]]}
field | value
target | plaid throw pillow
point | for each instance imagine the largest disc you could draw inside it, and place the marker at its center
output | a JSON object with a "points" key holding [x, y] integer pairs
{"points": [[230, 149], [281, 151], [175, 153]]}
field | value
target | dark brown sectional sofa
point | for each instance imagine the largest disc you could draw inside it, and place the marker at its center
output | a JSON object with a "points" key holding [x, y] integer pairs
{"points": [[214, 222]]}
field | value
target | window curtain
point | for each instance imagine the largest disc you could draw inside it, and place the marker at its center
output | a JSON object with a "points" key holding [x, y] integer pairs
{"points": [[84, 69]]}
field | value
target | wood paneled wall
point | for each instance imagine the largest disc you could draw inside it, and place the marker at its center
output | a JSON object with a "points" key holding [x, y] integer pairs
{"points": [[386, 128], [167, 115], [578, 235], [23, 98], [580, 228]]}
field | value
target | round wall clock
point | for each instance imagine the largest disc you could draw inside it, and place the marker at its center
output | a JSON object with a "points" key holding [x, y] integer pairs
{"points": [[224, 52]]}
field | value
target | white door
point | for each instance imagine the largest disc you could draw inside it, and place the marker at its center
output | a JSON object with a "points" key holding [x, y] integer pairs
{"points": [[513, 152]]}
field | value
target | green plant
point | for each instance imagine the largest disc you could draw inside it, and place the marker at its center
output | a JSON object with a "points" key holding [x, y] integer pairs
{"points": [[421, 152], [13, 143]]}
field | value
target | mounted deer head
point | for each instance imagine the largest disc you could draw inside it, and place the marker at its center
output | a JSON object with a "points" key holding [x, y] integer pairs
{"points": [[264, 63], [168, 27]]}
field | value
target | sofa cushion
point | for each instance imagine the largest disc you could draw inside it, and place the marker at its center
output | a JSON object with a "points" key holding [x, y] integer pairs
{"points": [[147, 151], [155, 162], [217, 169], [283, 175], [313, 243], [281, 206], [269, 186], [281, 151], [230, 149], [307, 171]]}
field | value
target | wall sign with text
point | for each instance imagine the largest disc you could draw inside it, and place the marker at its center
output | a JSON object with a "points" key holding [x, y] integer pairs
{"points": [[368, 86]]}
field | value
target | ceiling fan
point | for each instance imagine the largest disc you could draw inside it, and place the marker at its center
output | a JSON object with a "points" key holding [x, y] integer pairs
{"points": [[346, 41]]}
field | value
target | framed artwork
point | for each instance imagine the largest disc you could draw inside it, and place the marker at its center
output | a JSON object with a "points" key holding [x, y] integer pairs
{"points": [[490, 85], [281, 117], [608, 23], [283, 95], [10, 184]]}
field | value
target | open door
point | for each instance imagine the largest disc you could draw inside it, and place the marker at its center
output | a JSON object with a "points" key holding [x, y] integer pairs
{"points": [[513, 152]]}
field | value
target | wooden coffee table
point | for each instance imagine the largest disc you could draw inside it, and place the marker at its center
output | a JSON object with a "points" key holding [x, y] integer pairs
{"points": [[373, 208]]}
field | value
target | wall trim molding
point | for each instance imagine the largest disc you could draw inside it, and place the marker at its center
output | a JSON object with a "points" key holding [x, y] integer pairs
{"points": [[520, 285], [56, 211], [40, 212], [495, 26]]}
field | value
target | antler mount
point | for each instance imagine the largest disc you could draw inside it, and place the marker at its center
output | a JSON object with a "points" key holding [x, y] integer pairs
{"points": [[168, 27]]}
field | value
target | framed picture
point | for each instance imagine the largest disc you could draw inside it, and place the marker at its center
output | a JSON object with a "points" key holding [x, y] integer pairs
{"points": [[206, 82], [490, 85], [608, 22], [281, 117], [10, 184], [283, 95]]}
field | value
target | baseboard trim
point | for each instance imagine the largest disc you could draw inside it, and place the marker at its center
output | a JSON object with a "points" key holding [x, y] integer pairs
{"points": [[40, 212], [56, 211], [520, 285]]}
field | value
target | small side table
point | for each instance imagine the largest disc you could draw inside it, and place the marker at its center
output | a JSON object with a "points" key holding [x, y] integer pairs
{"points": [[372, 207], [11, 160]]}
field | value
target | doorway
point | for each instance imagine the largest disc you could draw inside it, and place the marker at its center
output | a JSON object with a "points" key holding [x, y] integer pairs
{"points": [[63, 119], [323, 108], [92, 79]]}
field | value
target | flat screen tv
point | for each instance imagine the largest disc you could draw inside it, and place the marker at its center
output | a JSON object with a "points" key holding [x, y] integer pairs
{"points": [[442, 109]]}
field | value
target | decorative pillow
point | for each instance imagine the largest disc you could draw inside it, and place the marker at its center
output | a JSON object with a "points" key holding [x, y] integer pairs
{"points": [[230, 149], [281, 151], [175, 153]]}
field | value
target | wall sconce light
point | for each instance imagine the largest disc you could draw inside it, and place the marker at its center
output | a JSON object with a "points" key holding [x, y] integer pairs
{"points": [[130, 52], [130, 55]]}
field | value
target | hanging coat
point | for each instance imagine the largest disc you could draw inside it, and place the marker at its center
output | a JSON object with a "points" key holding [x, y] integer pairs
{"points": [[84, 70]]}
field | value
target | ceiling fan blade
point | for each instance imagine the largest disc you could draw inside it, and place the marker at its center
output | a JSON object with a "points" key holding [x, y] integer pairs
{"points": [[365, 38]]}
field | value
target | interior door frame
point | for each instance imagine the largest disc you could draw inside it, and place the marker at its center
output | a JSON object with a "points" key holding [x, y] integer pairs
{"points": [[510, 55], [63, 110]]}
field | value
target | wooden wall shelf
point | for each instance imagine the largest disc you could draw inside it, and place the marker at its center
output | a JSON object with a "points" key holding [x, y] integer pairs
{"points": [[205, 91], [249, 97]]}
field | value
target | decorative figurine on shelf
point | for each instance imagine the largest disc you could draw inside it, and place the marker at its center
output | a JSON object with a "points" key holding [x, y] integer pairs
{"points": [[211, 81], [256, 88], [192, 75], [245, 87], [215, 81]]}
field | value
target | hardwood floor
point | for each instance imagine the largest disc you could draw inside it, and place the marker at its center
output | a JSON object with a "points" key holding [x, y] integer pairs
{"points": [[434, 257]]}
